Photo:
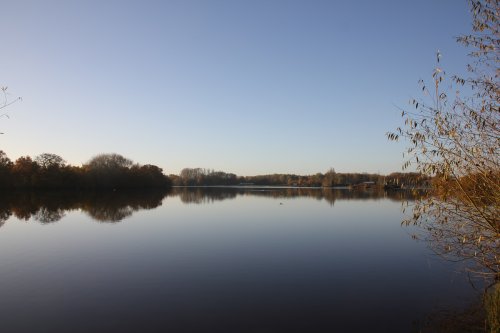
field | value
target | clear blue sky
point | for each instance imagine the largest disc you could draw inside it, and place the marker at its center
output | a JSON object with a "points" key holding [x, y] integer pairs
{"points": [[250, 87]]}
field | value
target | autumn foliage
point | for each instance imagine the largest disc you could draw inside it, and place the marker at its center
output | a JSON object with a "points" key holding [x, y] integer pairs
{"points": [[106, 171], [455, 139]]}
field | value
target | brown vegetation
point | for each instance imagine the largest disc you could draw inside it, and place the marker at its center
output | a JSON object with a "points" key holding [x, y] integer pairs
{"points": [[106, 171], [457, 143], [207, 177]]}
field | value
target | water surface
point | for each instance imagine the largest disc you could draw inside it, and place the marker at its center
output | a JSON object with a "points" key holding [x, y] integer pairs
{"points": [[218, 260]]}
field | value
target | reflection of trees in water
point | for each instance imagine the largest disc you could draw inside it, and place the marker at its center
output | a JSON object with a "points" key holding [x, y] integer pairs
{"points": [[46, 215], [445, 320], [331, 195], [105, 214], [206, 195], [201, 195], [47, 207], [114, 206], [4, 216], [5, 212], [481, 315]]}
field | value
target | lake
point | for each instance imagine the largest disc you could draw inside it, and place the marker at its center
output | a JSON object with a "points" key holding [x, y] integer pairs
{"points": [[219, 260]]}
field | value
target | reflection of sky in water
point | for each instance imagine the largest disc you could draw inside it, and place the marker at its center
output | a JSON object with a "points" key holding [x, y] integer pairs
{"points": [[252, 264]]}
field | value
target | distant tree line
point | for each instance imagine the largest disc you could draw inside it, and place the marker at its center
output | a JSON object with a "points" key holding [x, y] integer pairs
{"points": [[204, 177], [105, 171], [113, 171], [207, 177]]}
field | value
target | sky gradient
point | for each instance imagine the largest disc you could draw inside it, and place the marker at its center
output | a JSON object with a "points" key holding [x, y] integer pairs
{"points": [[249, 87]]}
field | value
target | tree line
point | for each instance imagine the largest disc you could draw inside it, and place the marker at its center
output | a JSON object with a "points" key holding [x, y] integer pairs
{"points": [[208, 177], [113, 171], [104, 171]]}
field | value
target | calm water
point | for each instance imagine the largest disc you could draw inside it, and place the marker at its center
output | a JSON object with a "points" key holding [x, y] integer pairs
{"points": [[218, 260]]}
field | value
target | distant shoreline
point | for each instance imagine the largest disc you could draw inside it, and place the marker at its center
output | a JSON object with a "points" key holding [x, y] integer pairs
{"points": [[299, 187]]}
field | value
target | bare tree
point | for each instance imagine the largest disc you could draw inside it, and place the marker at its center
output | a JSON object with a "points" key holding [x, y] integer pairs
{"points": [[109, 161], [457, 142], [6, 101], [47, 160]]}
